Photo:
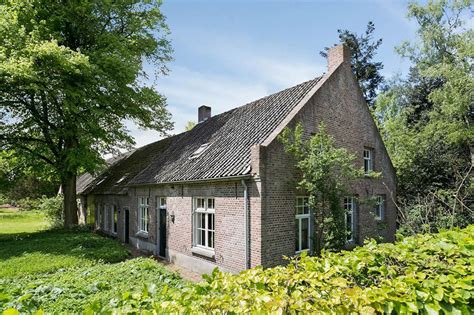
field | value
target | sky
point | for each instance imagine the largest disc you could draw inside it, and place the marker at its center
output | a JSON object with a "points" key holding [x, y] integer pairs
{"points": [[229, 53]]}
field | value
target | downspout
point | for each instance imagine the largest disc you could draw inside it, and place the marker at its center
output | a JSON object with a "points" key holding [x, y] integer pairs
{"points": [[246, 225]]}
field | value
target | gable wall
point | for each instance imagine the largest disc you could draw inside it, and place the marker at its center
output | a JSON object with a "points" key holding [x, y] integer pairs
{"points": [[339, 103]]}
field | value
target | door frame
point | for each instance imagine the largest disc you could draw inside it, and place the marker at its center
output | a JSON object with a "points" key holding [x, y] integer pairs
{"points": [[158, 232]]}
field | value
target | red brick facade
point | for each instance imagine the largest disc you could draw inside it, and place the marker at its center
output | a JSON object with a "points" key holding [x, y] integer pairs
{"points": [[336, 100]]}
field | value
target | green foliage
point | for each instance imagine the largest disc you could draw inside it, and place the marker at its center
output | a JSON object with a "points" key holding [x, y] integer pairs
{"points": [[71, 74], [47, 251], [62, 271], [426, 119], [190, 125], [19, 180], [53, 210], [426, 274], [28, 204], [363, 49], [326, 172], [73, 289]]}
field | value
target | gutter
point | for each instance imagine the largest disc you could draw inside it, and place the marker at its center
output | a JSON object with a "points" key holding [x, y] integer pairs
{"points": [[246, 225], [192, 181]]}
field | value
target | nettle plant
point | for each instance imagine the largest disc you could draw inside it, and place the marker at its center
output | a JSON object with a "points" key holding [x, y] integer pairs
{"points": [[326, 173]]}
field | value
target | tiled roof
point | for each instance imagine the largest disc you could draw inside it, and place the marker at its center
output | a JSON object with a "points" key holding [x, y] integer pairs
{"points": [[229, 136], [86, 181]]}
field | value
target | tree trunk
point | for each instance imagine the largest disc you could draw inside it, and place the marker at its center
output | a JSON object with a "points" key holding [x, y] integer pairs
{"points": [[70, 203]]}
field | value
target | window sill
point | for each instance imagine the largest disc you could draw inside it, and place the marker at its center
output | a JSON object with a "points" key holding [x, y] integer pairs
{"points": [[297, 253], [142, 234], [203, 252]]}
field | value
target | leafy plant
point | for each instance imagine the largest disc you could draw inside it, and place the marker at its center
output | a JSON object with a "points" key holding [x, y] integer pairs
{"points": [[53, 210], [426, 274], [326, 172]]}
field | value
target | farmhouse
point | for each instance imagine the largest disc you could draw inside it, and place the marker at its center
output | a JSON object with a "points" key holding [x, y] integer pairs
{"points": [[224, 194]]}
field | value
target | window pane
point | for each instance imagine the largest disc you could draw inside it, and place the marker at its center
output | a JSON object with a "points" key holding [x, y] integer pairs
{"points": [[304, 233], [210, 221], [210, 237], [203, 237], [210, 203]]}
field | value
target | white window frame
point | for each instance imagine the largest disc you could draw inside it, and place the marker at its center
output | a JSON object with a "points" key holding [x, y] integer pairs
{"points": [[369, 159], [206, 211], [379, 210], [350, 204], [143, 208], [300, 217], [114, 213], [161, 202]]}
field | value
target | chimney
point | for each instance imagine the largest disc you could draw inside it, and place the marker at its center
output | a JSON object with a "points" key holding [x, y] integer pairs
{"points": [[204, 113], [337, 55]]}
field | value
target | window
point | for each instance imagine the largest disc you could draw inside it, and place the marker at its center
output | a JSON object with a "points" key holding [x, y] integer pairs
{"points": [[199, 151], [379, 207], [115, 219], [204, 223], [302, 224], [143, 204], [368, 161], [161, 203], [349, 207]]}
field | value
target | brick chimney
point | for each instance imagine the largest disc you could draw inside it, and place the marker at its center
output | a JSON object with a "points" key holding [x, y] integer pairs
{"points": [[337, 55], [204, 113]]}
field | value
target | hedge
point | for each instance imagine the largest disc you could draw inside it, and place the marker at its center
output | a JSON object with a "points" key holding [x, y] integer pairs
{"points": [[426, 274]]}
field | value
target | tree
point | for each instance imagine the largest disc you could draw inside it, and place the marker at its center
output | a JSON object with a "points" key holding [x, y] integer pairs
{"points": [[426, 119], [366, 70], [326, 173], [70, 74], [189, 125]]}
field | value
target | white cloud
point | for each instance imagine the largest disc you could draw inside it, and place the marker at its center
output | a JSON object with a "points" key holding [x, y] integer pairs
{"points": [[240, 71]]}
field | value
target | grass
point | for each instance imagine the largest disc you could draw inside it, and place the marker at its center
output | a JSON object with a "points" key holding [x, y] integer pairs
{"points": [[14, 221], [62, 271]]}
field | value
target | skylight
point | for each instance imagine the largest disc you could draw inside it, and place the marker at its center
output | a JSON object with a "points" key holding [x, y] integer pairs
{"points": [[200, 151]]}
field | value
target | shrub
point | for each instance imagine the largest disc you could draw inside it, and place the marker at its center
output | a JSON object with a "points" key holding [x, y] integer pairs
{"points": [[426, 274], [29, 204], [53, 210]]}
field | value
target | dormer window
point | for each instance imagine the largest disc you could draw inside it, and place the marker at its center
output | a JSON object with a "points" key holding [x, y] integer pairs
{"points": [[200, 151]]}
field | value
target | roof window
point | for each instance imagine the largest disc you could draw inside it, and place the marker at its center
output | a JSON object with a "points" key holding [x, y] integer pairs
{"points": [[200, 151]]}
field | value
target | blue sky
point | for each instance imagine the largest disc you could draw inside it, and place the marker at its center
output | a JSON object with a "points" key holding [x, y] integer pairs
{"points": [[228, 53]]}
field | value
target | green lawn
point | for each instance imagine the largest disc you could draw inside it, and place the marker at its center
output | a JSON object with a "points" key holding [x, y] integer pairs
{"points": [[14, 221], [62, 271]]}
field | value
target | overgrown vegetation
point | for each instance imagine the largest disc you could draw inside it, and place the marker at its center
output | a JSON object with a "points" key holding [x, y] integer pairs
{"points": [[425, 274], [64, 271], [71, 290], [426, 119], [326, 173]]}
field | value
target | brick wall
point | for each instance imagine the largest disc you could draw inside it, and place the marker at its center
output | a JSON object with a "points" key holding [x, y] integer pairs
{"points": [[229, 218], [340, 104]]}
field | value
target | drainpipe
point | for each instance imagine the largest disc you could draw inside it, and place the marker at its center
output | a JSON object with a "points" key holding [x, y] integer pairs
{"points": [[246, 225]]}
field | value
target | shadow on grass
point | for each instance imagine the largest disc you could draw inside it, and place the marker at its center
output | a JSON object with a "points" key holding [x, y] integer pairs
{"points": [[77, 243]]}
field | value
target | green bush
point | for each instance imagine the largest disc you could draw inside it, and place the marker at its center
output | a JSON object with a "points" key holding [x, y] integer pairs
{"points": [[28, 204], [426, 274], [53, 210]]}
